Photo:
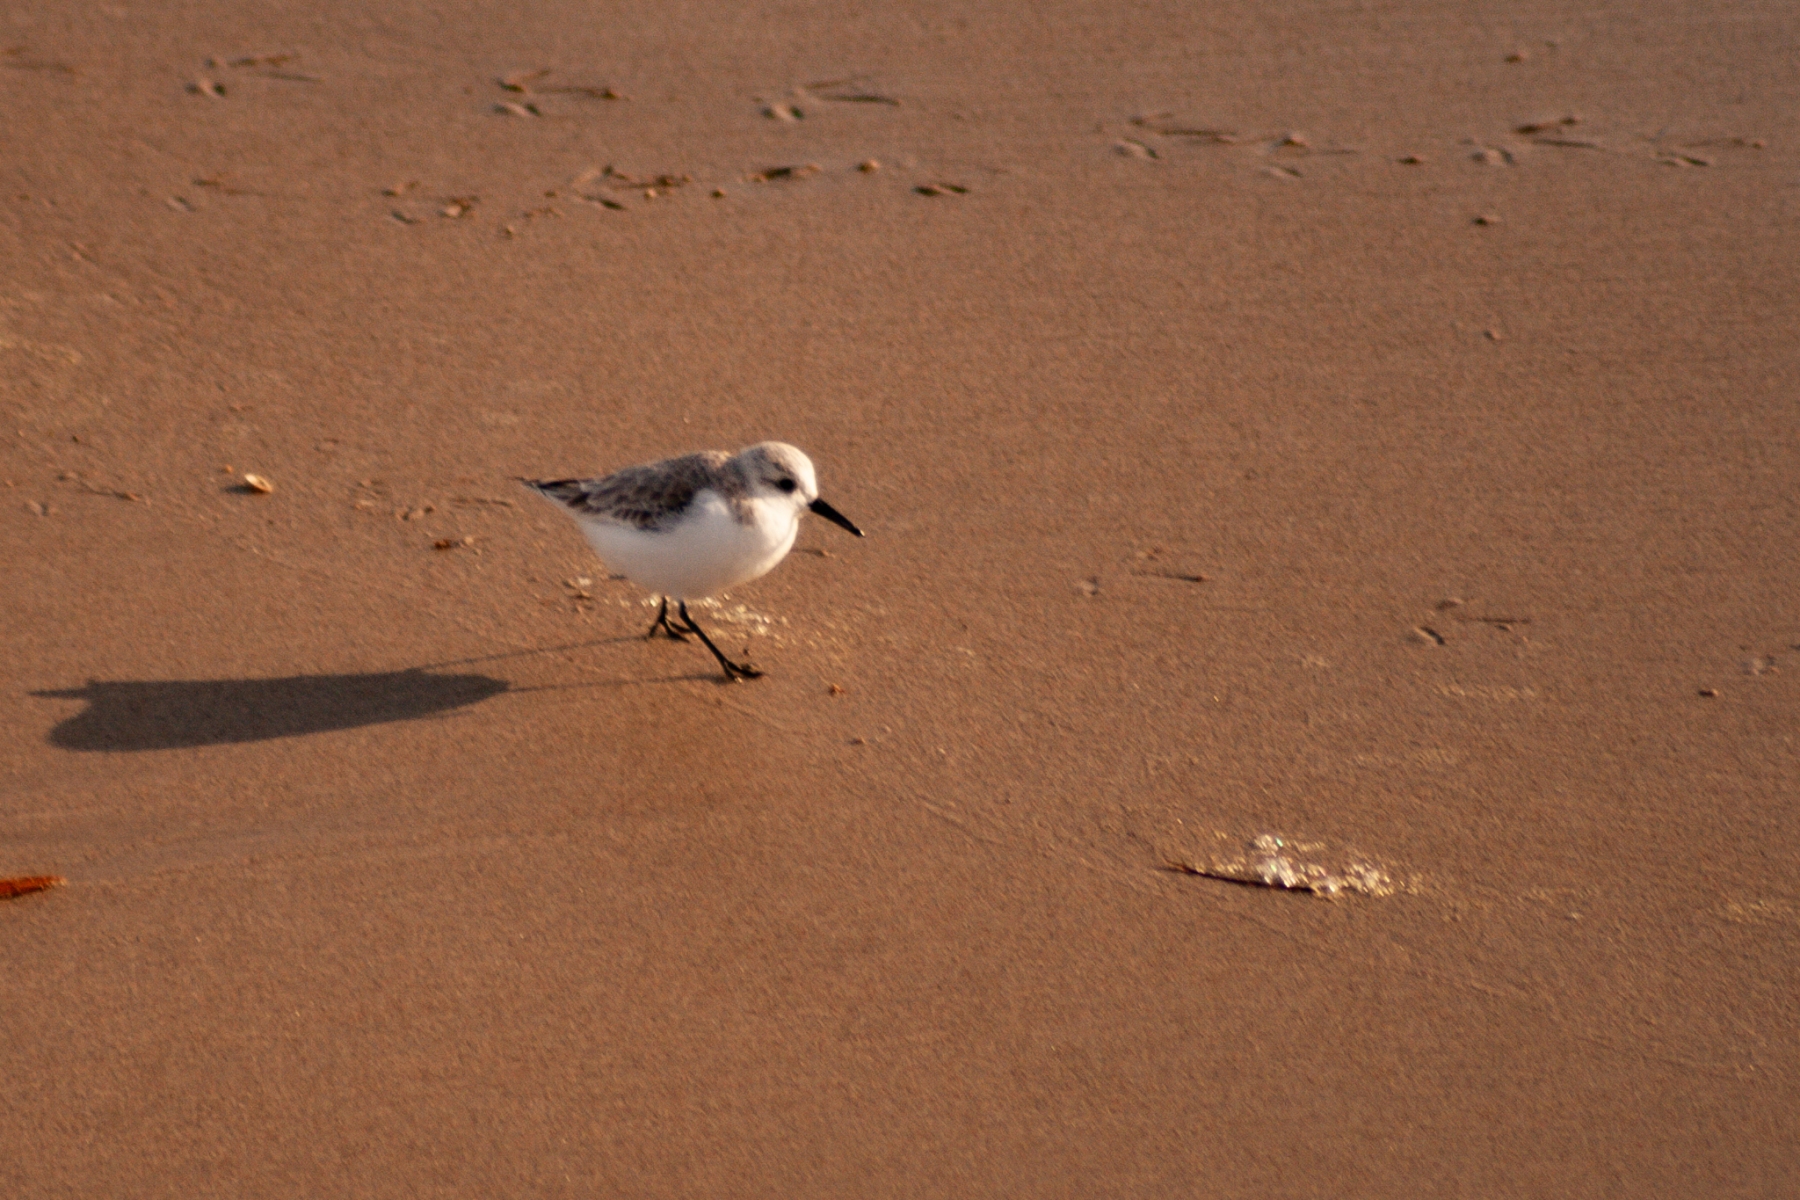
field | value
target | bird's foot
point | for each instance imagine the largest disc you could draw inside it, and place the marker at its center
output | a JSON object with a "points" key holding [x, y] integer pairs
{"points": [[735, 671]]}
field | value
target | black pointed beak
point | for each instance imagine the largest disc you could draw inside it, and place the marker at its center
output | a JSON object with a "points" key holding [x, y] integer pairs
{"points": [[834, 516]]}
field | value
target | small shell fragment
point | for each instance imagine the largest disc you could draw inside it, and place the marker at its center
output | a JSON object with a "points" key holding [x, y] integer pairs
{"points": [[1274, 862]]}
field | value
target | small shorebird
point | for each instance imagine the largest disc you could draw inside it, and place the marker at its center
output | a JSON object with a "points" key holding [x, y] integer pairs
{"points": [[686, 528]]}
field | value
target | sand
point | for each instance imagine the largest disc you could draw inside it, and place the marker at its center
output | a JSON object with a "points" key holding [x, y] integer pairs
{"points": [[1371, 426]]}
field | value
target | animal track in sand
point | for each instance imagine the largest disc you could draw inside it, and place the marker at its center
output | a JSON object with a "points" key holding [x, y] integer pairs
{"points": [[1159, 137]]}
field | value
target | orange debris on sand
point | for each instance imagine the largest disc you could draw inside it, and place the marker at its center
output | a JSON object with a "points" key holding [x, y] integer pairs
{"points": [[28, 883]]}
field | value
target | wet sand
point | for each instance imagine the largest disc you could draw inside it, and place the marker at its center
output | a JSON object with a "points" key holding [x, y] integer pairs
{"points": [[1368, 427]]}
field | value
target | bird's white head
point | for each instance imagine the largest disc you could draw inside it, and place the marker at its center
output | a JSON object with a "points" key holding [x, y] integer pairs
{"points": [[778, 472]]}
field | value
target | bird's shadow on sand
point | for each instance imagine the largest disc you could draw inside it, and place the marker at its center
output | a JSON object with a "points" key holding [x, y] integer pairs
{"points": [[183, 713], [176, 714]]}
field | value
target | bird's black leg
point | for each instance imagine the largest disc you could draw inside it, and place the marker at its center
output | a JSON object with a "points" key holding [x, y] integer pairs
{"points": [[662, 623], [733, 671]]}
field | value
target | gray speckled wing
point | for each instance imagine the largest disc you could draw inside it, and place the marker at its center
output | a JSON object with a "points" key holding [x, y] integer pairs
{"points": [[650, 497]]}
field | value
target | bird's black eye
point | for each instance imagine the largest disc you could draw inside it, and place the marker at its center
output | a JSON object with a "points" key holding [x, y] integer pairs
{"points": [[787, 485]]}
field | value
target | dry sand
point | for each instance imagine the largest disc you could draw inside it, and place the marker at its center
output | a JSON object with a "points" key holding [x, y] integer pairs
{"points": [[399, 871]]}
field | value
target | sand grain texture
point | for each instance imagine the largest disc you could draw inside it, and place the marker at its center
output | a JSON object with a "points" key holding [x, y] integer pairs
{"points": [[1221, 473]]}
